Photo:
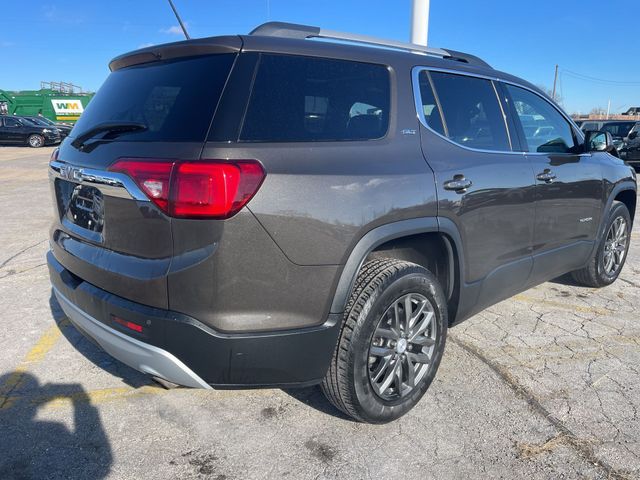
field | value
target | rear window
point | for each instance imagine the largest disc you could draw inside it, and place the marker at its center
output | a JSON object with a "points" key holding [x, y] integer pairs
{"points": [[304, 99], [174, 99]]}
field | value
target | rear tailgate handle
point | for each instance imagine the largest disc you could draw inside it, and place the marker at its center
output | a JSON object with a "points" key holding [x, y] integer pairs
{"points": [[459, 184]]}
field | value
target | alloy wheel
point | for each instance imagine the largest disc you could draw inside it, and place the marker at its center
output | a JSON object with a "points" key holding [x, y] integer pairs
{"points": [[615, 246], [402, 347]]}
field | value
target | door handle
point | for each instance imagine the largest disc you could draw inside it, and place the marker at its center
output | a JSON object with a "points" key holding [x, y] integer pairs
{"points": [[547, 176], [459, 184]]}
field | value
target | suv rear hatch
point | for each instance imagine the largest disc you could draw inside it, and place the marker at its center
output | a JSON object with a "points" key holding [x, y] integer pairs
{"points": [[107, 231]]}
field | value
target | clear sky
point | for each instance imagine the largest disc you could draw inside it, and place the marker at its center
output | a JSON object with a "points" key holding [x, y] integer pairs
{"points": [[73, 40]]}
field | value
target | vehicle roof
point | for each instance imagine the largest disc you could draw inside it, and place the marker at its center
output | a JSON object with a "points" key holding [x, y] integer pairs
{"points": [[393, 57]]}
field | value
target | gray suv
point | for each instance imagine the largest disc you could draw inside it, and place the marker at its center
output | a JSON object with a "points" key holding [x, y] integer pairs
{"points": [[271, 210]]}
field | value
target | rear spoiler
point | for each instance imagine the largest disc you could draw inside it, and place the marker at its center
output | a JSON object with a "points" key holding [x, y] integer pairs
{"points": [[187, 48]]}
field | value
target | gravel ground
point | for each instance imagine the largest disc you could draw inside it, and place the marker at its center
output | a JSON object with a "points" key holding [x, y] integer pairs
{"points": [[543, 385]]}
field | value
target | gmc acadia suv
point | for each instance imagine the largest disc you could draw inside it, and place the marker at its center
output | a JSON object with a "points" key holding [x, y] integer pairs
{"points": [[271, 210]]}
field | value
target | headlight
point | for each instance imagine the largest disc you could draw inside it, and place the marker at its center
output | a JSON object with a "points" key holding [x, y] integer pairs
{"points": [[46, 130]]}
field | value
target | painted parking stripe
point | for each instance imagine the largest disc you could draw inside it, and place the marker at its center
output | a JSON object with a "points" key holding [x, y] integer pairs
{"points": [[44, 344]]}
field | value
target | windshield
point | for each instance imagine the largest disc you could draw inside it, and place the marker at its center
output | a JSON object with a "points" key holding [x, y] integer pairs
{"points": [[618, 129], [36, 121], [174, 99]]}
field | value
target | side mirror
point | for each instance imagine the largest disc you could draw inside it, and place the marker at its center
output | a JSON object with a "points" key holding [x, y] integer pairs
{"points": [[598, 141]]}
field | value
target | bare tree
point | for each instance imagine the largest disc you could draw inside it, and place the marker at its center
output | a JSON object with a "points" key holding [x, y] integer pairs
{"points": [[598, 111], [549, 92]]}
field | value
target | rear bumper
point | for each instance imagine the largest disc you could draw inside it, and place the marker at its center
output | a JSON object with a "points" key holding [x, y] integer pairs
{"points": [[184, 351], [139, 355]]}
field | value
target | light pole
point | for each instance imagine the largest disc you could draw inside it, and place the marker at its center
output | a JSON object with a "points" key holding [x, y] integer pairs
{"points": [[420, 22]]}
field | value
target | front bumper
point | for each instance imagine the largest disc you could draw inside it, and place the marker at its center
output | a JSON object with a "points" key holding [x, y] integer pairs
{"points": [[182, 350]]}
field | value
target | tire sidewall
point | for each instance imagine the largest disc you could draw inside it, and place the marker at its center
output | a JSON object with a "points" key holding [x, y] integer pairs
{"points": [[618, 210], [416, 279]]}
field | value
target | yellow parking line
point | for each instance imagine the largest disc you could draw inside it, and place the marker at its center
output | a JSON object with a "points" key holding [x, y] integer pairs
{"points": [[563, 305], [44, 344]]}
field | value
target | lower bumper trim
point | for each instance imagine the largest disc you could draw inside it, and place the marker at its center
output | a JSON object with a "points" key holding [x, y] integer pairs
{"points": [[138, 355]]}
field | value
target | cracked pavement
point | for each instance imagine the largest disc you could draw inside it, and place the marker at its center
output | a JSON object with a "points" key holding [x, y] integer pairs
{"points": [[545, 384]]}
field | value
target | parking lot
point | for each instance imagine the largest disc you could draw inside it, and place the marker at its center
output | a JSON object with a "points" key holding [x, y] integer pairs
{"points": [[543, 385]]}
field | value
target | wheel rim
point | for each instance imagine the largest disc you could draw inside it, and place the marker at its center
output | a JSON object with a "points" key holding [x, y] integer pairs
{"points": [[35, 141], [402, 347], [615, 247]]}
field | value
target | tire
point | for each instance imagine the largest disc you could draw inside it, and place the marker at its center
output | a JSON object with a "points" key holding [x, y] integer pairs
{"points": [[597, 273], [35, 141], [372, 346]]}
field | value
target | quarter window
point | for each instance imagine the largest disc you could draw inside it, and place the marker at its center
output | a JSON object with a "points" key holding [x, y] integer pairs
{"points": [[545, 129], [429, 105], [305, 99], [472, 115]]}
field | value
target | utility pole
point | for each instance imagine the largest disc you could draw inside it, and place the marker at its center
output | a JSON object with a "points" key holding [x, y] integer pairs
{"points": [[555, 82], [608, 109], [420, 22], [175, 12]]}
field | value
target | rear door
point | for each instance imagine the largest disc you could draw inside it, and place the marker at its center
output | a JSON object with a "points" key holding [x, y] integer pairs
{"points": [[568, 185], [12, 131], [484, 187], [107, 231]]}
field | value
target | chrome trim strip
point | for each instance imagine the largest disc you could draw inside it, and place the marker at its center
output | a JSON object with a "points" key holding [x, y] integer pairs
{"points": [[415, 74], [138, 355], [113, 184]]}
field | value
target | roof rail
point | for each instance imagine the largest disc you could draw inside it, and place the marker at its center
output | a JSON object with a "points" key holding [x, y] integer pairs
{"points": [[293, 30]]}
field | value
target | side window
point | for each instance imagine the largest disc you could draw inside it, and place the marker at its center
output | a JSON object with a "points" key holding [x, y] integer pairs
{"points": [[306, 99], [429, 105], [472, 115], [545, 129], [11, 122]]}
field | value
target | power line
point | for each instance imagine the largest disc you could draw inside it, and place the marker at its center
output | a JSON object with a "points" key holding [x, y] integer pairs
{"points": [[581, 76]]}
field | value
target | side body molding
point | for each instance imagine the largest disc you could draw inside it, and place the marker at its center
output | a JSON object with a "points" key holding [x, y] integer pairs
{"points": [[382, 234]]}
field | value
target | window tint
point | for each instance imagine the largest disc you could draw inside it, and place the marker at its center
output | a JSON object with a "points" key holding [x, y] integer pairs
{"points": [[11, 122], [429, 106], [589, 126], [545, 129], [472, 114], [618, 129], [303, 99], [174, 99]]}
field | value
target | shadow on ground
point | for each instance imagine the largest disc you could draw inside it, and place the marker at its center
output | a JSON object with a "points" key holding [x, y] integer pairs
{"points": [[38, 448]]}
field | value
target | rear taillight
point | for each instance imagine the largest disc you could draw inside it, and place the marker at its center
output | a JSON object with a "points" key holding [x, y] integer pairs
{"points": [[54, 155], [200, 189]]}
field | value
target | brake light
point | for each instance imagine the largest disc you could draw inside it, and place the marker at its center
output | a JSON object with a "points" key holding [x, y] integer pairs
{"points": [[195, 189]]}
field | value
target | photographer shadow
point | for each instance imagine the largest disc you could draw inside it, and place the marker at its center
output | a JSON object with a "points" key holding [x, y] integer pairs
{"points": [[35, 448], [92, 352]]}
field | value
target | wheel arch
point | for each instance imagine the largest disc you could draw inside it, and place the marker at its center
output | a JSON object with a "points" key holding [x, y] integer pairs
{"points": [[624, 192], [432, 242]]}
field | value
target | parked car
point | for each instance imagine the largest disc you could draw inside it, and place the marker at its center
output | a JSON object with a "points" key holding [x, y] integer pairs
{"points": [[16, 130], [619, 129], [45, 122], [268, 210], [630, 149]]}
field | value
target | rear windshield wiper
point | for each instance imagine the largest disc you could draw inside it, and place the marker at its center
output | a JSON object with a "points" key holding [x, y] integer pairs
{"points": [[110, 127]]}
